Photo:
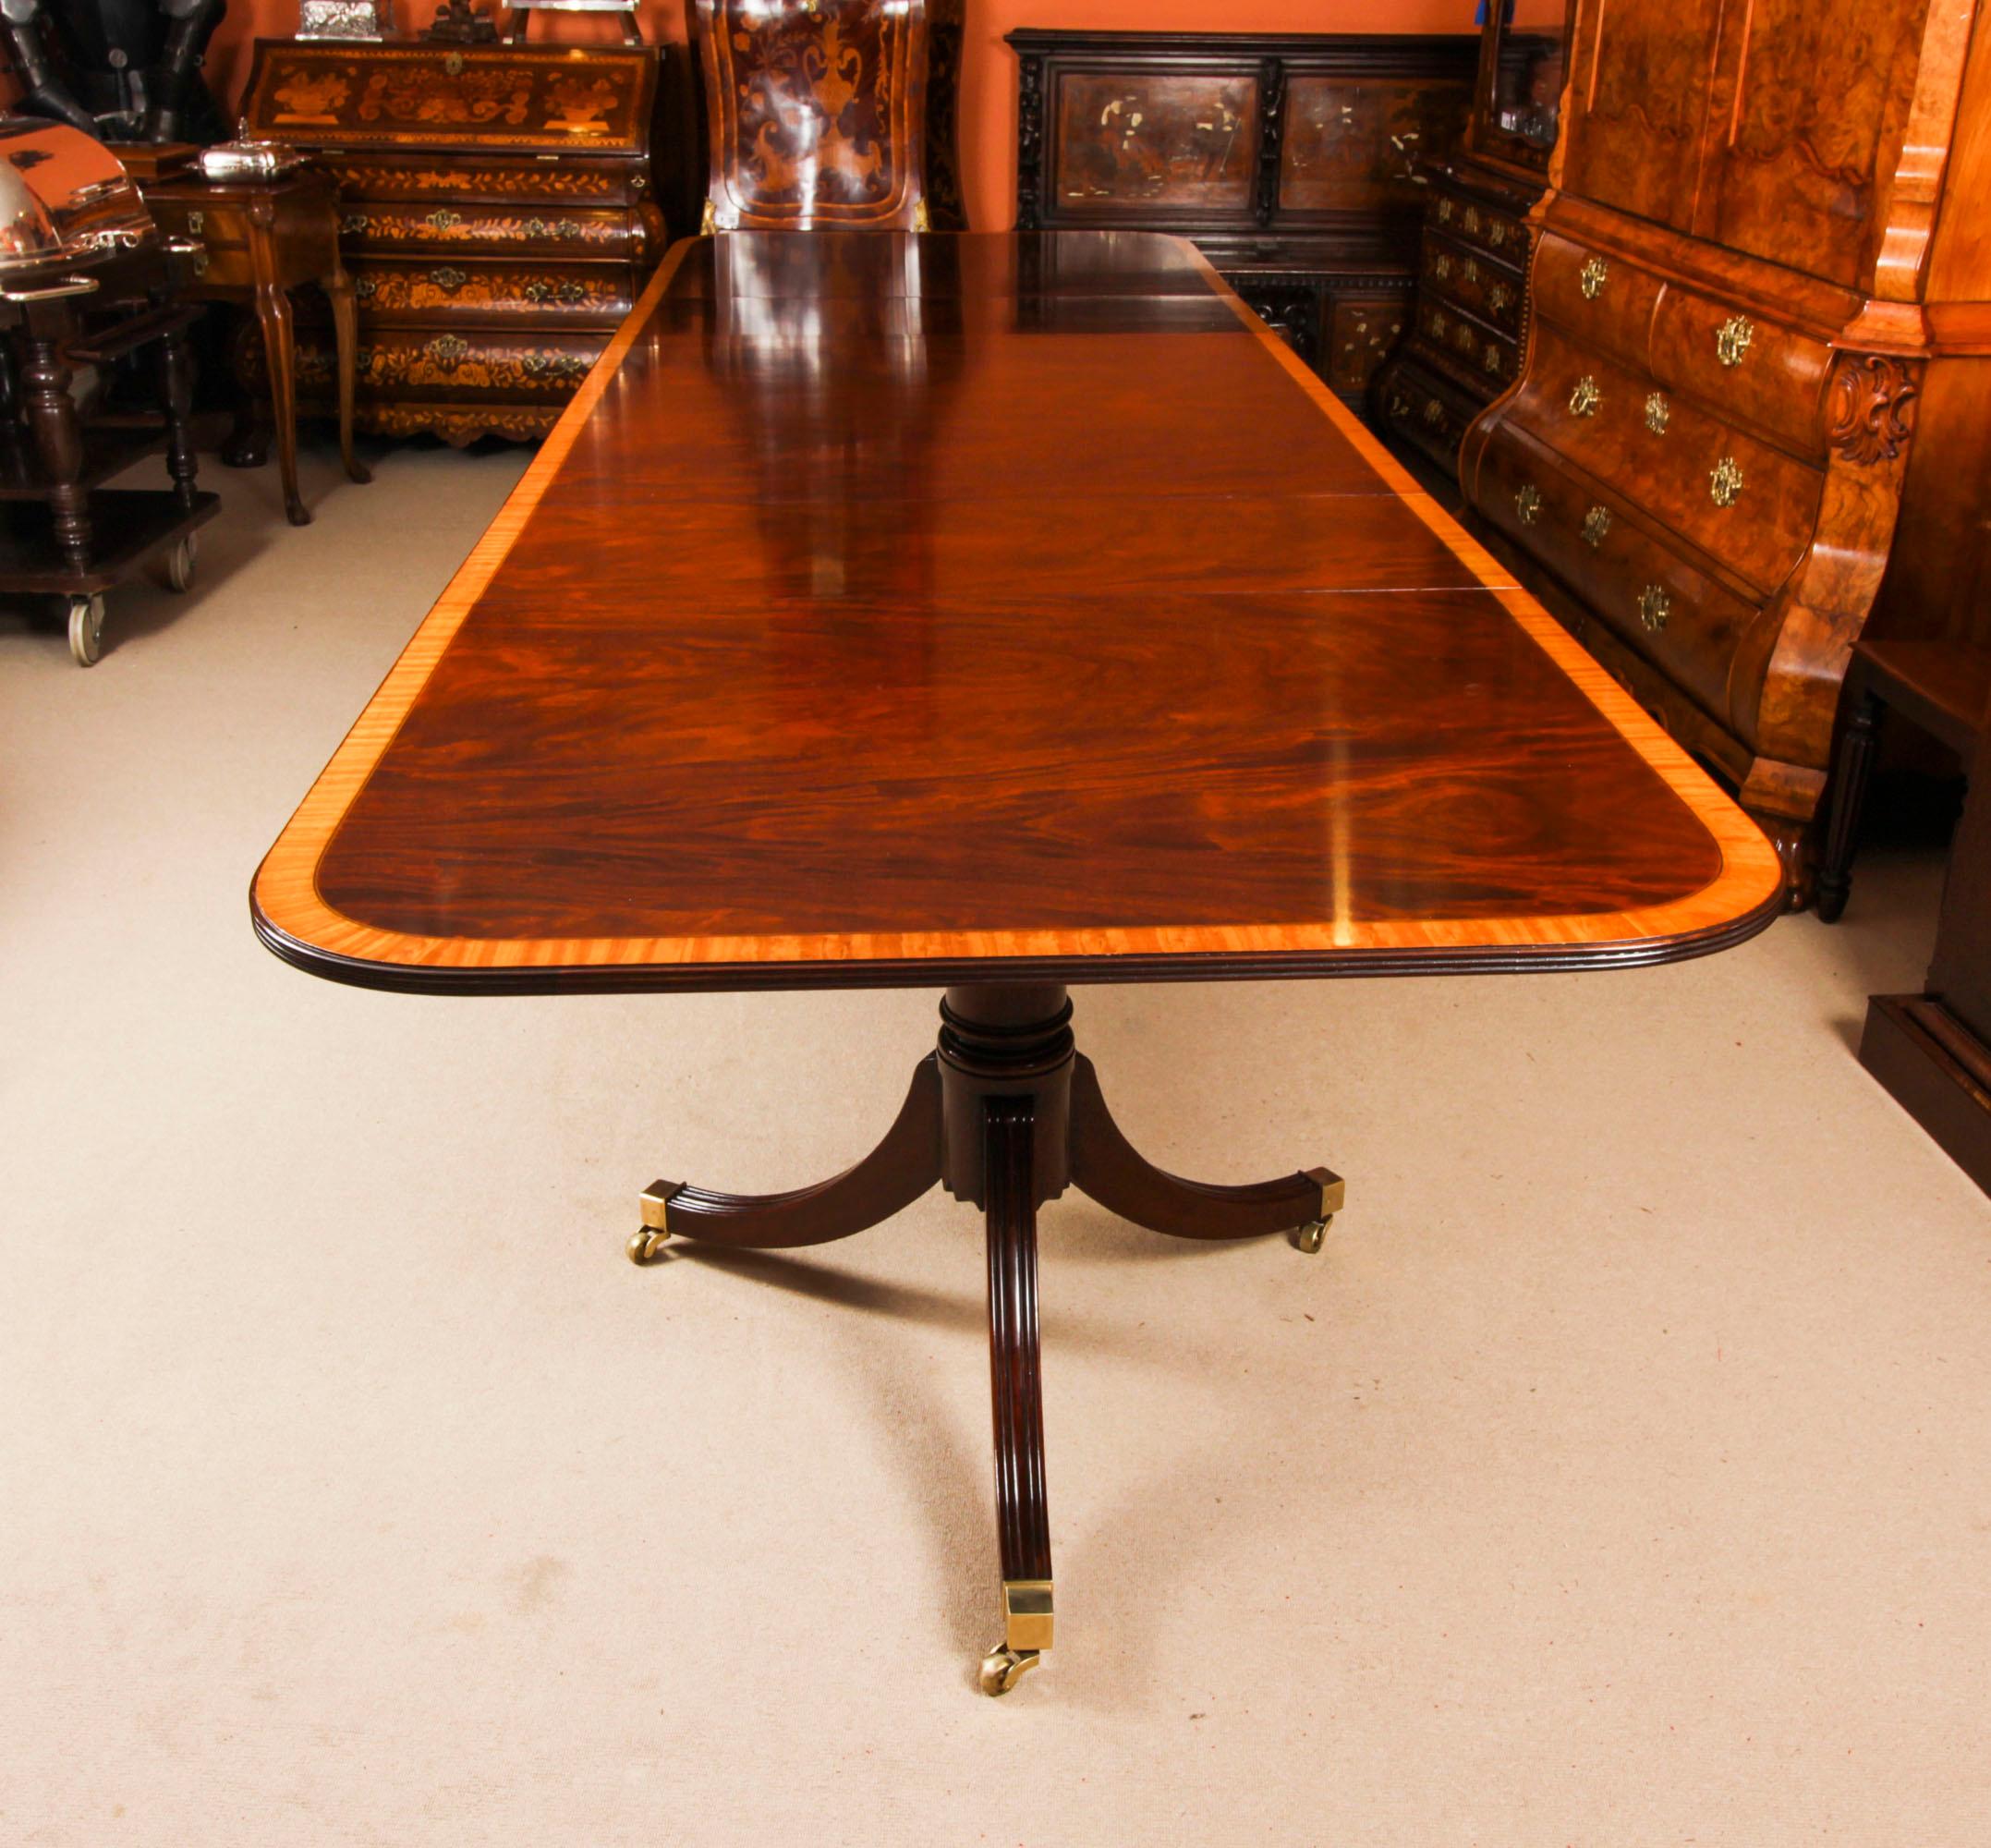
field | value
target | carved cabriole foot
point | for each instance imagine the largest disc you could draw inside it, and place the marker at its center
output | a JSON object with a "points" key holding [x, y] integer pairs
{"points": [[1005, 1115]]}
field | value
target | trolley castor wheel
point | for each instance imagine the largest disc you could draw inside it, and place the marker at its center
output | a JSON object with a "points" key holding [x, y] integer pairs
{"points": [[86, 628], [1311, 1236], [180, 564], [645, 1245], [1003, 1667]]}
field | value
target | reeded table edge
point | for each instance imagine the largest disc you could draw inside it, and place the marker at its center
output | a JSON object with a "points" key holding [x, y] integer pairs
{"points": [[294, 921]]}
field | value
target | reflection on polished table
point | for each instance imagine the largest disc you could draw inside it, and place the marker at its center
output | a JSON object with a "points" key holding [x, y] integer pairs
{"points": [[992, 613]]}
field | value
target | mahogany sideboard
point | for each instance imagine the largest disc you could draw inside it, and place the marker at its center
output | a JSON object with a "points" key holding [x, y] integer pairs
{"points": [[501, 206], [1290, 159], [1762, 262]]}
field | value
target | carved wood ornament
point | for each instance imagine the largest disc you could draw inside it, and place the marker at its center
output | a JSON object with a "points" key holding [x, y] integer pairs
{"points": [[1870, 406]]}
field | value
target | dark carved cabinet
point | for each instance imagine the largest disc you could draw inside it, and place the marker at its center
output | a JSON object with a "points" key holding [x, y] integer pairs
{"points": [[501, 207], [1469, 319], [1288, 159]]}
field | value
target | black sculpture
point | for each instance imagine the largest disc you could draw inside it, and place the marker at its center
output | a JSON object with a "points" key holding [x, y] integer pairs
{"points": [[122, 70]]}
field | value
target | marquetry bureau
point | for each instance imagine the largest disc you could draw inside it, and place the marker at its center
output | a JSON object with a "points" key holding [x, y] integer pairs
{"points": [[501, 210], [1761, 264]]}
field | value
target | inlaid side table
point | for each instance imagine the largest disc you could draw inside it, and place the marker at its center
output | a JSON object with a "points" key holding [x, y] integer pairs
{"points": [[260, 240]]}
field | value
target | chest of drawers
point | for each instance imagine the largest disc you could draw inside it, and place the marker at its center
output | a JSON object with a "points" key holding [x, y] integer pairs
{"points": [[501, 207], [1462, 346], [1753, 408]]}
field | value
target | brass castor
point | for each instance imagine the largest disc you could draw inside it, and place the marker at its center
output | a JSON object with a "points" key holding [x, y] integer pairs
{"points": [[1311, 1236], [644, 1244], [1003, 1667], [86, 628]]}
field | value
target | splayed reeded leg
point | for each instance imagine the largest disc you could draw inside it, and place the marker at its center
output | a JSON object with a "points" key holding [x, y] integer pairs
{"points": [[1106, 1165], [1005, 1115]]}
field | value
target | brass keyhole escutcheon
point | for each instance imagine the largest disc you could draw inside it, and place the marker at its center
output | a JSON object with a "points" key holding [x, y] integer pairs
{"points": [[452, 64], [1441, 266], [1597, 523], [1658, 413], [1586, 397], [1654, 607], [1725, 481], [1528, 502], [196, 223], [1732, 338], [1591, 277]]}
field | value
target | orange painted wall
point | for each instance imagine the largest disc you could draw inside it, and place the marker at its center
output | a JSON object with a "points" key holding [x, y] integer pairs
{"points": [[988, 91]]}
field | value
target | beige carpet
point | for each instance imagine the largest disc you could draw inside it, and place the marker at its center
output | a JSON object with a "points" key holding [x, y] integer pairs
{"points": [[1618, 1475]]}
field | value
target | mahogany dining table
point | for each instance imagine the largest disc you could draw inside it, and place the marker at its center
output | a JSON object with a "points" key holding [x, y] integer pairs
{"points": [[992, 613]]}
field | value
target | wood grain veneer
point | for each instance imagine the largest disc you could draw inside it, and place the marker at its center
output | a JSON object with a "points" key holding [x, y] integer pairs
{"points": [[822, 651]]}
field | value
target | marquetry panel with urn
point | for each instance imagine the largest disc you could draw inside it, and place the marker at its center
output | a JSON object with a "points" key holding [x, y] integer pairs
{"points": [[501, 207], [1761, 258]]}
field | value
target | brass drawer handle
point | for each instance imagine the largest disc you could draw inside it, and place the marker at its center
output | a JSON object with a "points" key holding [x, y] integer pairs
{"points": [[1586, 397], [1470, 221], [1528, 502], [1496, 231], [442, 219], [447, 279], [1654, 607], [1597, 523], [1658, 413], [1725, 481], [1591, 277], [1732, 338], [1444, 211], [1498, 298], [196, 223], [1490, 359], [1471, 272], [364, 287], [1441, 266]]}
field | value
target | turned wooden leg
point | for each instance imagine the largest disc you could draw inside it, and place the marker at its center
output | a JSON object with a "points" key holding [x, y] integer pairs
{"points": [[175, 361], [1854, 766], [247, 443], [346, 340], [1023, 1520], [891, 1178], [58, 437], [1105, 1166], [272, 313]]}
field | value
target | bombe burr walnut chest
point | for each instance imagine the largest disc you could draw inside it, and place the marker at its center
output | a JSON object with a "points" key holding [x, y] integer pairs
{"points": [[501, 210], [1761, 264], [1289, 158], [1462, 346]]}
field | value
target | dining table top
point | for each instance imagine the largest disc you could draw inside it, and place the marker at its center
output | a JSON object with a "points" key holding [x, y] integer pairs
{"points": [[910, 609]]}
